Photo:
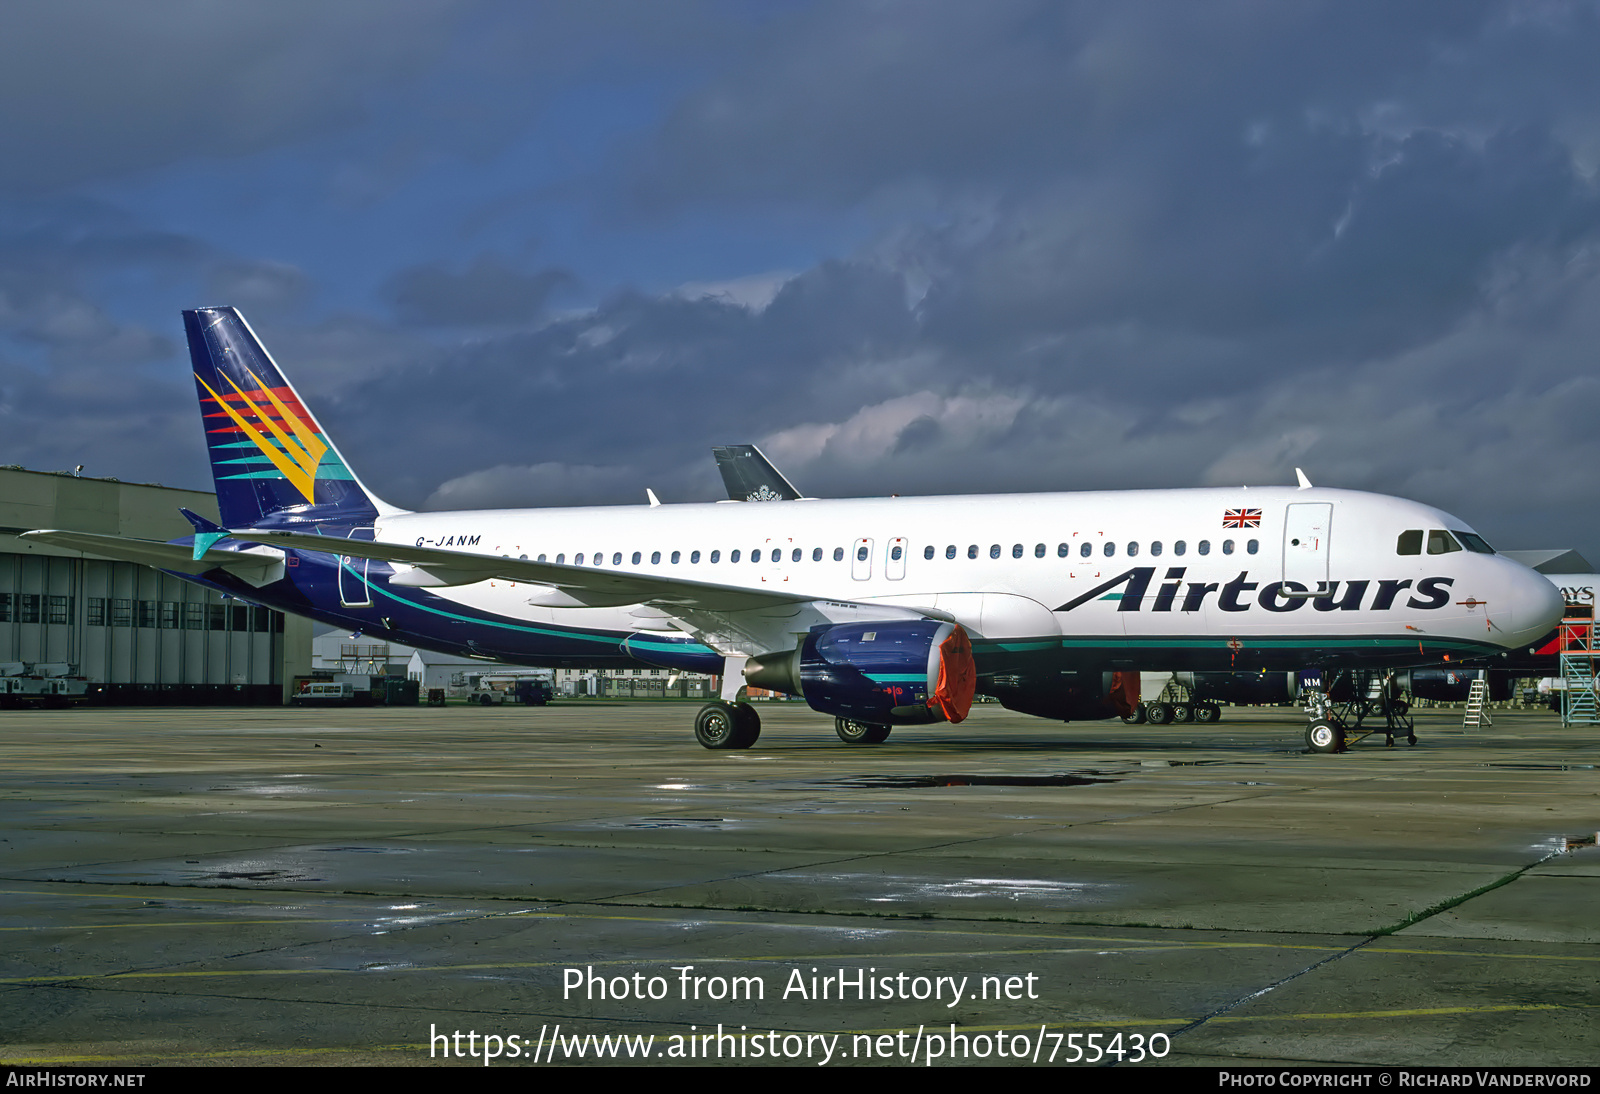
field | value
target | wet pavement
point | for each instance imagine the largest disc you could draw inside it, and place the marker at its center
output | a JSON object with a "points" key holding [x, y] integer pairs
{"points": [[356, 886]]}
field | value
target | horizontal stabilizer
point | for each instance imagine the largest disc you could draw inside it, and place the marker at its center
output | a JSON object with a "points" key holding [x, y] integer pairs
{"points": [[256, 566]]}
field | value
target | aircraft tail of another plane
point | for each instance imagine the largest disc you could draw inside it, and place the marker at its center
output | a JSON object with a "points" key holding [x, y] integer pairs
{"points": [[750, 476], [273, 464]]}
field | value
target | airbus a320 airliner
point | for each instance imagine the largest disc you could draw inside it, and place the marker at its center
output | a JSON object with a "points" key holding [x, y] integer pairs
{"points": [[878, 611]]}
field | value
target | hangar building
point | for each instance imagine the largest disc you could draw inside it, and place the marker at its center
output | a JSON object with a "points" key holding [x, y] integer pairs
{"points": [[140, 635]]}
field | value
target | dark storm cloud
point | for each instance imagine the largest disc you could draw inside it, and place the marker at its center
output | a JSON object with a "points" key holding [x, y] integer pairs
{"points": [[91, 89], [489, 291]]}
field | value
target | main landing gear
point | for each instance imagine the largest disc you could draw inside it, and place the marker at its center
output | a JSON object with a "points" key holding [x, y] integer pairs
{"points": [[721, 724], [852, 732]]}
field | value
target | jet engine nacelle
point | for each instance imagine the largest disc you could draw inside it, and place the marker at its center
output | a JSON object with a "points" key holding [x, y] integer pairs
{"points": [[1453, 685], [900, 671], [1242, 688], [1060, 696]]}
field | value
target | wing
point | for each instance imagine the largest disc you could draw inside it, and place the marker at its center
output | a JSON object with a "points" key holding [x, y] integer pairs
{"points": [[587, 586]]}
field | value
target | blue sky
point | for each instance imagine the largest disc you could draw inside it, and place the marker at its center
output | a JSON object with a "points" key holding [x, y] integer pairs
{"points": [[548, 254]]}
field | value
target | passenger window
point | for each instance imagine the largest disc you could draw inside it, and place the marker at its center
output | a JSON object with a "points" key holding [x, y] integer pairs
{"points": [[733, 556], [1410, 543], [616, 559], [1086, 549], [861, 554], [636, 558], [561, 560], [1155, 547], [894, 553], [1016, 550], [1441, 542], [755, 556], [1062, 550], [541, 558], [655, 558], [838, 554], [994, 550], [1204, 547], [577, 559], [1227, 546], [1110, 549], [694, 558], [1133, 549], [675, 556], [1038, 550], [927, 552], [1179, 547], [1253, 546], [796, 556], [972, 551], [816, 554], [950, 551]]}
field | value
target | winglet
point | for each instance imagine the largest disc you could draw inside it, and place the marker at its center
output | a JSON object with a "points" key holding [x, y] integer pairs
{"points": [[651, 494], [1305, 483]]}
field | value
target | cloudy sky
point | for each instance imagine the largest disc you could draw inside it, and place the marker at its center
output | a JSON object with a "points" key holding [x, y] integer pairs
{"points": [[520, 254]]}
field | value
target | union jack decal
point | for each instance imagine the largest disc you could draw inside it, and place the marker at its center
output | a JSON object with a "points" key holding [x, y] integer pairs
{"points": [[1241, 518]]}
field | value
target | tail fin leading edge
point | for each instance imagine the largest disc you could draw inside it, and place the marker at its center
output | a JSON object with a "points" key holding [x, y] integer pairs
{"points": [[272, 462]]}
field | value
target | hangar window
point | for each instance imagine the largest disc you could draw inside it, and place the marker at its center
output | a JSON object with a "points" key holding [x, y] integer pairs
{"points": [[1227, 546], [950, 551], [716, 556], [1410, 542], [194, 617], [927, 552], [1475, 543], [122, 612], [1204, 547], [1441, 542], [1016, 550], [636, 557], [169, 615], [994, 550], [30, 608], [816, 554], [838, 554], [1086, 549], [1133, 549], [1110, 548], [1155, 548], [1179, 547], [5, 608], [97, 609]]}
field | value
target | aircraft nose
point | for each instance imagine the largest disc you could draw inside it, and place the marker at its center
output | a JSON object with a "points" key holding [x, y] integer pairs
{"points": [[1537, 605]]}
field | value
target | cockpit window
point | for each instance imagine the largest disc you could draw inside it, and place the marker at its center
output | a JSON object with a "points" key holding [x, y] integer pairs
{"points": [[1474, 543], [1441, 542], [1410, 542]]}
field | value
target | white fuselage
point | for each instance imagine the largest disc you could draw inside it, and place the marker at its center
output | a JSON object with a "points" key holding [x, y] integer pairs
{"points": [[1200, 562]]}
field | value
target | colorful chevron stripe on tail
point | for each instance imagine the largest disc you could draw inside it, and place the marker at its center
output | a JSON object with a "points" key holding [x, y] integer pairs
{"points": [[272, 462]]}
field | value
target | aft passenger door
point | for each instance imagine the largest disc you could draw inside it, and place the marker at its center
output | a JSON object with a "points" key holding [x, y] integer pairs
{"points": [[353, 589]]}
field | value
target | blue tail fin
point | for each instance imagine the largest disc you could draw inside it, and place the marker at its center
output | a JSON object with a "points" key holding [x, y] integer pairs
{"points": [[273, 464]]}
